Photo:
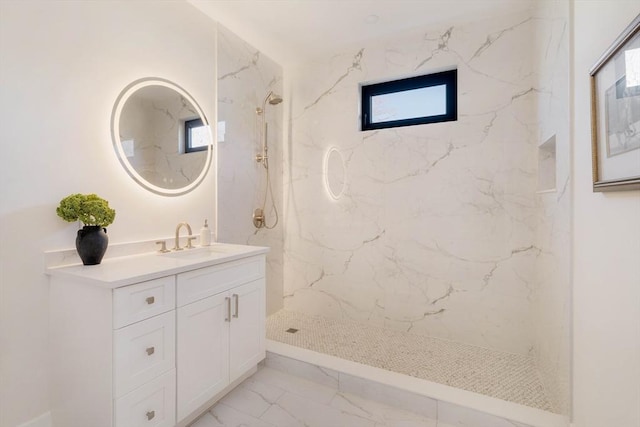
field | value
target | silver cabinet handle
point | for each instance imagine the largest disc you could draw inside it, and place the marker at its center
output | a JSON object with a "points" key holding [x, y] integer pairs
{"points": [[228, 318], [151, 415], [150, 351], [237, 298], [150, 300]]}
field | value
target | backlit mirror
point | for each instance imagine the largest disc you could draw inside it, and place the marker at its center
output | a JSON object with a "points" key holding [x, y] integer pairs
{"points": [[161, 136]]}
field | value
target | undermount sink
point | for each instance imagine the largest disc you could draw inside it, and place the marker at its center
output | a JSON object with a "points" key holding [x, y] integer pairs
{"points": [[204, 251]]}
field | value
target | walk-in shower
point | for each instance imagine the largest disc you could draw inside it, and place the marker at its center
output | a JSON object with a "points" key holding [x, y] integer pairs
{"points": [[259, 214]]}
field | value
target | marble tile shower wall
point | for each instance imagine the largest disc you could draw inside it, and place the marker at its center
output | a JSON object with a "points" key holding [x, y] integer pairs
{"points": [[434, 232], [552, 296], [245, 76]]}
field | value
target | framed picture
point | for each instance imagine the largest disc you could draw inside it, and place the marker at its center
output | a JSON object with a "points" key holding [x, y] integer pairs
{"points": [[615, 114]]}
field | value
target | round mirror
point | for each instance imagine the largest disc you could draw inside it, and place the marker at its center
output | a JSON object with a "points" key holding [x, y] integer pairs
{"points": [[161, 136]]}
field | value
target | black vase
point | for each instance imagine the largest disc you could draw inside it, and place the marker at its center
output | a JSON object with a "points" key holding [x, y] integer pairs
{"points": [[91, 243]]}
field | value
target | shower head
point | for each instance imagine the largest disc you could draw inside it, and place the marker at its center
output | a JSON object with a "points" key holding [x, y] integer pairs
{"points": [[274, 99]]}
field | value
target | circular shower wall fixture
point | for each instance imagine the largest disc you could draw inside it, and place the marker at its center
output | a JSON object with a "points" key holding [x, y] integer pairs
{"points": [[334, 172]]}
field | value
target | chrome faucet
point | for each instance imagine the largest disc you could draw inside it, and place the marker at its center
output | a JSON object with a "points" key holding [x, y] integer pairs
{"points": [[190, 237]]}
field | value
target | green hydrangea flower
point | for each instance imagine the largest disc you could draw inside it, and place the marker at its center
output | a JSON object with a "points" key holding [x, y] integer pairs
{"points": [[88, 208]]}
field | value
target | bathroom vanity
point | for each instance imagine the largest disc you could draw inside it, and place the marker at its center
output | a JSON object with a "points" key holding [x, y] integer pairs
{"points": [[154, 339]]}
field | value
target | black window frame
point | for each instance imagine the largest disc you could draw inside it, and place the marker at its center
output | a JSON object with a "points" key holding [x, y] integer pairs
{"points": [[447, 78], [188, 125]]}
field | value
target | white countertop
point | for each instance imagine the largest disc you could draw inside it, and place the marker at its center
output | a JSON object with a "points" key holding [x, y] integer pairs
{"points": [[126, 270]]}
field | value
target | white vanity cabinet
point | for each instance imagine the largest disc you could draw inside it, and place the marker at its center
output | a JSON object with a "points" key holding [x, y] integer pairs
{"points": [[221, 330], [127, 352], [113, 354]]}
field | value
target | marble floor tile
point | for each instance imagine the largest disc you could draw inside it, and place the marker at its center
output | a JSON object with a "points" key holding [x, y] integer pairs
{"points": [[392, 396], [450, 415], [380, 414], [307, 413], [281, 418], [295, 385], [205, 420], [324, 376], [226, 416], [273, 398], [248, 401], [222, 415]]}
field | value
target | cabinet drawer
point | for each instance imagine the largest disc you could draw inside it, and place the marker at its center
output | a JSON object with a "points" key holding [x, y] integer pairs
{"points": [[152, 405], [143, 300], [204, 282], [143, 351]]}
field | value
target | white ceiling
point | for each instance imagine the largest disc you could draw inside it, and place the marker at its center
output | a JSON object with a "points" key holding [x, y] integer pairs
{"points": [[290, 30]]}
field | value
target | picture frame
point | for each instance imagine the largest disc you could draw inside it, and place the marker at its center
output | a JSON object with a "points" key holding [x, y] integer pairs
{"points": [[615, 114]]}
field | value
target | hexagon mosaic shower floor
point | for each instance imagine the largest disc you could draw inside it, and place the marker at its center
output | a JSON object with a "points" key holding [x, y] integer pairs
{"points": [[497, 374]]}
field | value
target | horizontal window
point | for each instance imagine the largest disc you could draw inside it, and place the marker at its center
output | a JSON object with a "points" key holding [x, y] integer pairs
{"points": [[418, 100]]}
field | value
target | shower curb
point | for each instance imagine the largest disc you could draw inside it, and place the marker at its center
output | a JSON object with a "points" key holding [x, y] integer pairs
{"points": [[377, 384]]}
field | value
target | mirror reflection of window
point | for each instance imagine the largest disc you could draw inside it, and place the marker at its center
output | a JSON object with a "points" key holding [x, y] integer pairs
{"points": [[128, 147], [196, 135]]}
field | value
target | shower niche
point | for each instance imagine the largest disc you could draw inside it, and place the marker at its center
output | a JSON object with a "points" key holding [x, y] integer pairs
{"points": [[547, 166]]}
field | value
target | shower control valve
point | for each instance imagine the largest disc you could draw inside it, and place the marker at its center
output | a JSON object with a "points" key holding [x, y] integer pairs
{"points": [[258, 218]]}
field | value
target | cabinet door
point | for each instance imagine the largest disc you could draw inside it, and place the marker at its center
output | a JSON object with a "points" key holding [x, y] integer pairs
{"points": [[202, 351], [247, 336]]}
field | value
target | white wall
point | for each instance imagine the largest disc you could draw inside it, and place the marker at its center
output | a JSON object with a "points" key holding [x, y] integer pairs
{"points": [[62, 66], [606, 241]]}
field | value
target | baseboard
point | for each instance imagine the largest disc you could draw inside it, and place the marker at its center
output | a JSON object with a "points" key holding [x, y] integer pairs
{"points": [[43, 420]]}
